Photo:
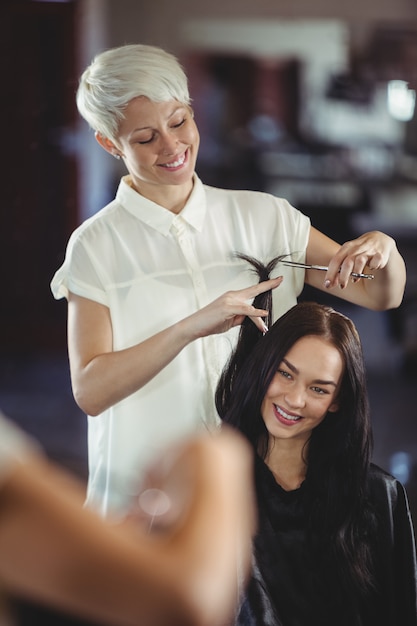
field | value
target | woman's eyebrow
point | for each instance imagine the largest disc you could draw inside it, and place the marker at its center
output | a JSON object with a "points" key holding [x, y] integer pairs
{"points": [[178, 108], [317, 381], [325, 382], [290, 366]]}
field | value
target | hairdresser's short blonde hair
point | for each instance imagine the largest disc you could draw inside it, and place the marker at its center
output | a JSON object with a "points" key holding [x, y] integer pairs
{"points": [[118, 75]]}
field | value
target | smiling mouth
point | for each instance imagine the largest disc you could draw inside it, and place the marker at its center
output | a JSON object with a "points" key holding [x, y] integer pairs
{"points": [[285, 416], [177, 163]]}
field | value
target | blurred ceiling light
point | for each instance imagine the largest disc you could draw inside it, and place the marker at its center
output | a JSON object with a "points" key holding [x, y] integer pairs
{"points": [[401, 100]]}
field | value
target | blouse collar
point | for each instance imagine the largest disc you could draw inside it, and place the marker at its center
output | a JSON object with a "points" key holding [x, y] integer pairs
{"points": [[158, 217]]}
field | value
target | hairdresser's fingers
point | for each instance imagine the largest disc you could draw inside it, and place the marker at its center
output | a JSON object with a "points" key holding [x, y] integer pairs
{"points": [[257, 314], [259, 323], [229, 310], [249, 293], [370, 251]]}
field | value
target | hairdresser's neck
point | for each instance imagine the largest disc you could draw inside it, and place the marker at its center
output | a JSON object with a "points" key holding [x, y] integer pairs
{"points": [[171, 197]]}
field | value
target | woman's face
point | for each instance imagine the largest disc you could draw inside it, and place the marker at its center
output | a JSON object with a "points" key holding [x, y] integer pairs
{"points": [[304, 389], [159, 144]]}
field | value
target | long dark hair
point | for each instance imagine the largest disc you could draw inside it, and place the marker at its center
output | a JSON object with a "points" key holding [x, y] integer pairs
{"points": [[339, 451]]}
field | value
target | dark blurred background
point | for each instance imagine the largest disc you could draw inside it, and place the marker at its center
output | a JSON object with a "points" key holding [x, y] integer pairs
{"points": [[311, 100]]}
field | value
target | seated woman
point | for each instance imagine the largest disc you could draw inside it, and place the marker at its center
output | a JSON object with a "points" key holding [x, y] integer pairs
{"points": [[335, 542]]}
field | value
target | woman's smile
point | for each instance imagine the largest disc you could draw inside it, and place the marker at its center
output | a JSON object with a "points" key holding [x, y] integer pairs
{"points": [[286, 418], [177, 163]]}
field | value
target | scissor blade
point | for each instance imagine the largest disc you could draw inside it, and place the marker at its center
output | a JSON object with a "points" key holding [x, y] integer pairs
{"points": [[305, 265]]}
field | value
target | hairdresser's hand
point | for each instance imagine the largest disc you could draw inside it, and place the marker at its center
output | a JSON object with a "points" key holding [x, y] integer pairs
{"points": [[230, 310], [371, 251]]}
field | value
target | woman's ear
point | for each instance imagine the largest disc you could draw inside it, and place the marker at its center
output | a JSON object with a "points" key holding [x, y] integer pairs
{"points": [[333, 408], [107, 145]]}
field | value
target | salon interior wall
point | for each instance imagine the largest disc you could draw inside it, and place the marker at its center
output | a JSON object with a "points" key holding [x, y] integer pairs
{"points": [[160, 22], [235, 25]]}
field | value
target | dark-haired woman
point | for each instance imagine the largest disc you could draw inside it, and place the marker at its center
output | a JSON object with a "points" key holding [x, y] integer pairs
{"points": [[335, 543]]}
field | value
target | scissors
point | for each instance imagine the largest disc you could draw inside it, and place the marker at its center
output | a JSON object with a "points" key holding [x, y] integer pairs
{"points": [[323, 268]]}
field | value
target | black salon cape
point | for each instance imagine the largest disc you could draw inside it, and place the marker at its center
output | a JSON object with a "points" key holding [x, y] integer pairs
{"points": [[284, 590]]}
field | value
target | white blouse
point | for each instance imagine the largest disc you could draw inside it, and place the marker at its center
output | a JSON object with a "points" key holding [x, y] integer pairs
{"points": [[152, 268]]}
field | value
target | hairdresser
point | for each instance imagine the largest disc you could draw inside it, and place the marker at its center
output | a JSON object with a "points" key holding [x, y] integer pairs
{"points": [[155, 292]]}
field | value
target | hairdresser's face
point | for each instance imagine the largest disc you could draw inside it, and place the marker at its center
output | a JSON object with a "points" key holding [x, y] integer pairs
{"points": [[304, 389], [159, 143]]}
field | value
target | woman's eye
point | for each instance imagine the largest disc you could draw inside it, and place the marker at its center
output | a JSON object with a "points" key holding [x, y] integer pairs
{"points": [[177, 125], [319, 390], [143, 141], [284, 374]]}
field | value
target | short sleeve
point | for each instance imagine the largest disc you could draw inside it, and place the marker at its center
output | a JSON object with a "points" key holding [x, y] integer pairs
{"points": [[80, 272]]}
